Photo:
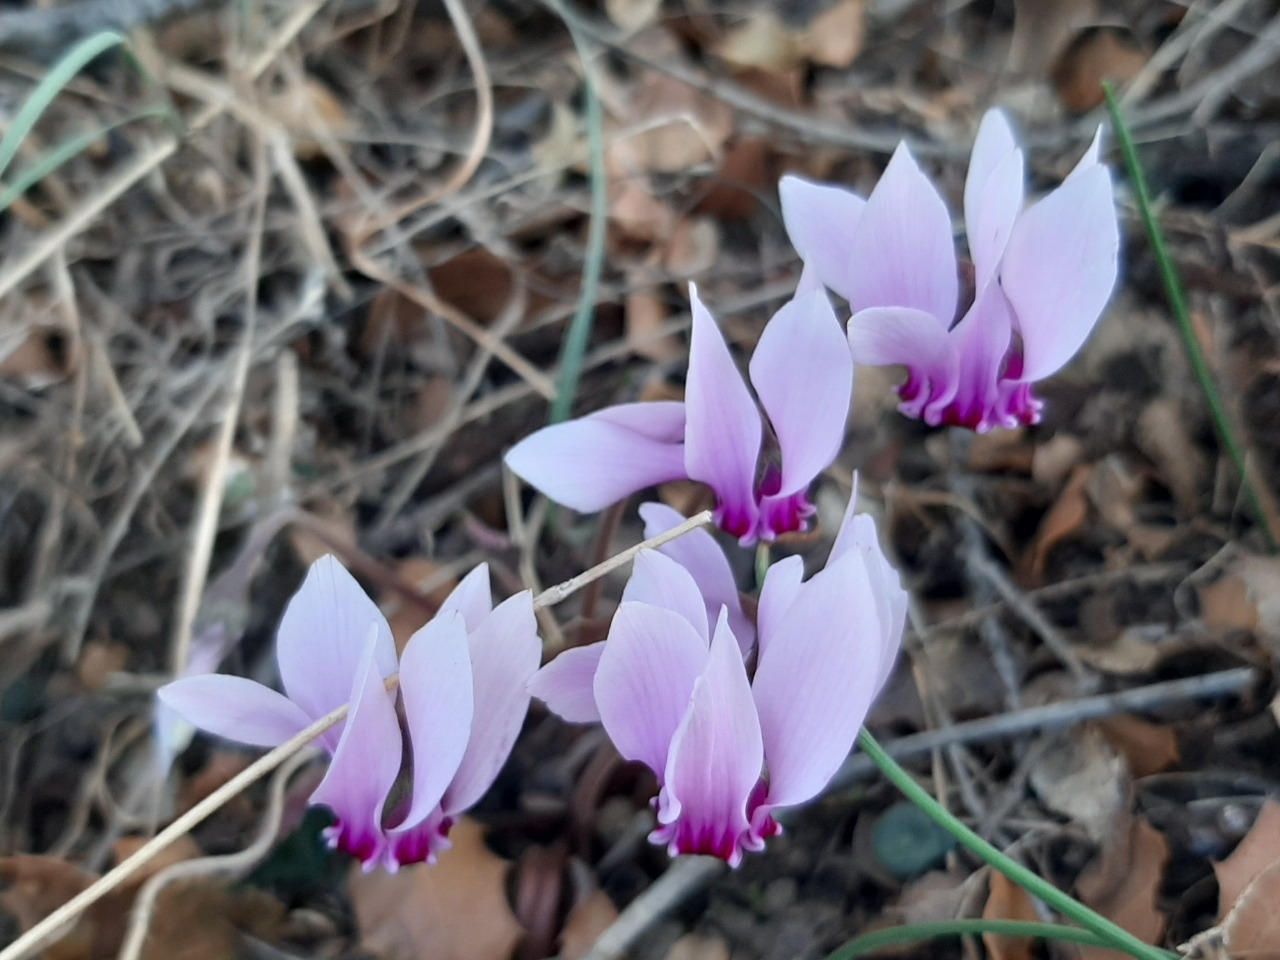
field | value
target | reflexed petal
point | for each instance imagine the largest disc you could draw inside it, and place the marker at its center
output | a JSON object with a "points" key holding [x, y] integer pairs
{"points": [[437, 689], [993, 192], [472, 597], [234, 708], [661, 582], [651, 659], [982, 342], [990, 222], [567, 684], [820, 220], [505, 653], [815, 680], [903, 248], [593, 462], [723, 431], [781, 587], [364, 767], [803, 373], [1091, 156], [1059, 269], [858, 534], [698, 552], [885, 336], [716, 759], [322, 636]]}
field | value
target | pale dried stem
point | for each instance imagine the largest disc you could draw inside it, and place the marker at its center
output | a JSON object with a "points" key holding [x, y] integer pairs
{"points": [[47, 928], [211, 495]]}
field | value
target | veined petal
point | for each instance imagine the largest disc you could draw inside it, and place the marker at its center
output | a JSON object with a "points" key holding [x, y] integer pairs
{"points": [[820, 221], [885, 336], [436, 686], [234, 708], [567, 684], [803, 373], [597, 460], [723, 429], [322, 638], [903, 248], [647, 670], [982, 342], [505, 653], [993, 192], [779, 592], [1059, 269], [661, 582], [715, 761], [472, 598], [698, 552], [364, 767], [815, 680]]}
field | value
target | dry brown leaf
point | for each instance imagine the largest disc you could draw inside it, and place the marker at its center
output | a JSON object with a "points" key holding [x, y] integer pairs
{"points": [[1056, 458], [98, 660], [1001, 450], [834, 38], [1146, 747], [638, 213], [454, 910], [1224, 604], [203, 920], [294, 106], [1008, 901], [338, 522], [677, 127], [182, 849], [427, 576], [632, 15], [1065, 517], [747, 172], [694, 245], [1134, 650], [1123, 882], [1259, 850], [1252, 928], [762, 40], [1162, 435], [646, 312], [586, 921], [38, 885], [1094, 55], [1042, 27], [476, 281], [1082, 777], [698, 946]]}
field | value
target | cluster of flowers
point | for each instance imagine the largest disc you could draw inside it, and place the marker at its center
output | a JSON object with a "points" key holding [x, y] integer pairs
{"points": [[737, 715]]}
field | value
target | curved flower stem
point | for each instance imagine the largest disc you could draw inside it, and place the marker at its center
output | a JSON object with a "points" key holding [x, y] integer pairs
{"points": [[871, 942], [1117, 937], [1178, 305]]}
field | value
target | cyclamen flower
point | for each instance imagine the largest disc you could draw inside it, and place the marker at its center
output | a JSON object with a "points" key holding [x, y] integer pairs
{"points": [[803, 377], [673, 690], [1041, 276], [463, 685]]}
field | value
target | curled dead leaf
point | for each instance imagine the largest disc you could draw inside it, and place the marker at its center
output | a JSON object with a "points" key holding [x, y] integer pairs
{"points": [[1123, 882], [1008, 901], [1259, 850]]}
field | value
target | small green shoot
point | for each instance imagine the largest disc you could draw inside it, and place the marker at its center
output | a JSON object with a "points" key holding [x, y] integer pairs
{"points": [[1178, 304]]}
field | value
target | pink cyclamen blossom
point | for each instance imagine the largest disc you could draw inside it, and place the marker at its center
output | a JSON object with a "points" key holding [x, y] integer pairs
{"points": [[803, 377], [671, 683], [463, 685], [1042, 276]]}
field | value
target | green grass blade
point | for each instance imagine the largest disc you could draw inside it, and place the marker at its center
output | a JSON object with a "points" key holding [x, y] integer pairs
{"points": [[64, 152], [911, 933], [62, 73], [1178, 304], [1117, 937], [579, 333]]}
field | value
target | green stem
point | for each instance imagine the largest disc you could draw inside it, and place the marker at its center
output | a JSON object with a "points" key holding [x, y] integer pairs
{"points": [[1116, 936], [1178, 304], [871, 942], [575, 341]]}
